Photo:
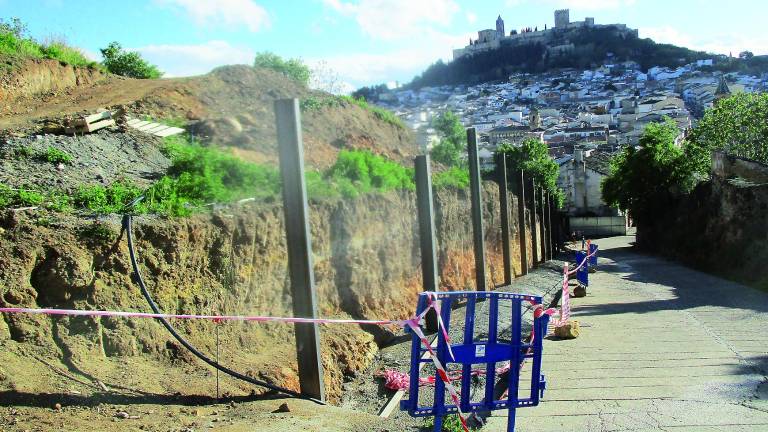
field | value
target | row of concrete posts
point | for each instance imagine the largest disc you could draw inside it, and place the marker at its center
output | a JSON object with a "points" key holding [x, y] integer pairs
{"points": [[535, 208]]}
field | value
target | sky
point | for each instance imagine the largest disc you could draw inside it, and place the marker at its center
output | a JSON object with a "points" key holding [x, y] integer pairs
{"points": [[351, 43]]}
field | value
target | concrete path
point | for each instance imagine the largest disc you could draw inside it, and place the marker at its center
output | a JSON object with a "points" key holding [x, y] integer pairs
{"points": [[663, 348]]}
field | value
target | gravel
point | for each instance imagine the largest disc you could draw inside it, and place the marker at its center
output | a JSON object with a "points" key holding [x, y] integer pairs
{"points": [[98, 158]]}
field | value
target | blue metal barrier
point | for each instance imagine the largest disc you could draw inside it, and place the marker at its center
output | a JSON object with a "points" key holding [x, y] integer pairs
{"points": [[582, 274], [474, 350], [593, 253]]}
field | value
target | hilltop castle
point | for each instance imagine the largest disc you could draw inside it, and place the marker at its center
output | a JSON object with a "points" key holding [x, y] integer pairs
{"points": [[490, 39]]}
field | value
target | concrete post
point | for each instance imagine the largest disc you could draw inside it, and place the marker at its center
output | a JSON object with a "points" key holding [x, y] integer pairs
{"points": [[296, 211]]}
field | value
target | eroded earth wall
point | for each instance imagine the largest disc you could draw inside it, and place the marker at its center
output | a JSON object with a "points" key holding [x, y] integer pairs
{"points": [[367, 265]]}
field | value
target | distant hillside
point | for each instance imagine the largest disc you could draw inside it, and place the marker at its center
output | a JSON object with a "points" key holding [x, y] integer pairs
{"points": [[591, 48]]}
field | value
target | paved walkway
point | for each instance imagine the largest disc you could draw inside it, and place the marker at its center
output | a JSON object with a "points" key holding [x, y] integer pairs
{"points": [[663, 348]]}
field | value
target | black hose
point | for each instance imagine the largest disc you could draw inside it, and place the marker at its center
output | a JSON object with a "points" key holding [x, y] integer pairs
{"points": [[140, 281]]}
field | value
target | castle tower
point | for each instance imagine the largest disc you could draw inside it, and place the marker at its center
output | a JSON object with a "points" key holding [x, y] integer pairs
{"points": [[562, 18], [500, 26]]}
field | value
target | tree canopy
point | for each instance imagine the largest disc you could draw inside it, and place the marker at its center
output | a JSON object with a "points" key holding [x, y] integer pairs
{"points": [[532, 156], [128, 63], [453, 141], [646, 180], [292, 68], [737, 125]]}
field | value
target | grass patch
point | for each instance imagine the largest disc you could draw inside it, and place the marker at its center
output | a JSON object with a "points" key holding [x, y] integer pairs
{"points": [[23, 152], [380, 113], [455, 177], [55, 156], [16, 42]]}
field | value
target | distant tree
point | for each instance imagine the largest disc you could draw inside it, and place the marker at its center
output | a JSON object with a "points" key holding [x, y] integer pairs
{"points": [[370, 93], [452, 140], [532, 156], [292, 68], [736, 125], [128, 63], [746, 55]]}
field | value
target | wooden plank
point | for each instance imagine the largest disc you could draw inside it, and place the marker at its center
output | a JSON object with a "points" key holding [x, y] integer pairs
{"points": [[132, 122], [93, 127], [139, 124], [148, 126], [98, 117], [168, 132], [157, 128]]}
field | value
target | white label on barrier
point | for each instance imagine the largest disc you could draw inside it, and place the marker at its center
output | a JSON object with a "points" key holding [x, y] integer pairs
{"points": [[480, 351]]}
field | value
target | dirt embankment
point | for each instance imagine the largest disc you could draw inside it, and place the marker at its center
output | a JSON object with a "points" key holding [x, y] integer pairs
{"points": [[230, 107], [366, 266]]}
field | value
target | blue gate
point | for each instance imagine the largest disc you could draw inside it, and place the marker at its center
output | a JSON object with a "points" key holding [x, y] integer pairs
{"points": [[593, 255], [582, 273], [485, 349]]}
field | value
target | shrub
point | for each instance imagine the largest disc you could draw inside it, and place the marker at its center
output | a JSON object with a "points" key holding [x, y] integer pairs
{"points": [[128, 63], [360, 171], [26, 197], [66, 54], [454, 177], [23, 152], [452, 143], [292, 68], [104, 200], [55, 156]]}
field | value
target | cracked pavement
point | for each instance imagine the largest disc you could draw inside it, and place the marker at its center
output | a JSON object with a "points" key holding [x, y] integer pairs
{"points": [[663, 348]]}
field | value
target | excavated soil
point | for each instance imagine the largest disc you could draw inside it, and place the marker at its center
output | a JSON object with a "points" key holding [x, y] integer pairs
{"points": [[230, 107]]}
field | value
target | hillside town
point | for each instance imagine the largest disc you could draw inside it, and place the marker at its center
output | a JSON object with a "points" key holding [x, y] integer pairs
{"points": [[584, 116]]}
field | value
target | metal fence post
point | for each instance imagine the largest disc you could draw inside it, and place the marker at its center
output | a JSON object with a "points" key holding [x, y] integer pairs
{"points": [[427, 237], [475, 185], [299, 243], [501, 171], [534, 217], [521, 221]]}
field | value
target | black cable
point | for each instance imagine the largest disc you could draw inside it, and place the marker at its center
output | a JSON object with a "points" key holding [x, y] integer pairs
{"points": [[140, 281]]}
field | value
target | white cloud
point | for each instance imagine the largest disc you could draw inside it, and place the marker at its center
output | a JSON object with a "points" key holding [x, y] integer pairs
{"points": [[396, 19], [471, 17], [578, 4], [223, 12], [358, 69], [186, 60], [710, 42]]}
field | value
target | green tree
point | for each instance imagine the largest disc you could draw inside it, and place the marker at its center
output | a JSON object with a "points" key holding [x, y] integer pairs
{"points": [[647, 181], [532, 156], [292, 68], [737, 125], [128, 63], [452, 140]]}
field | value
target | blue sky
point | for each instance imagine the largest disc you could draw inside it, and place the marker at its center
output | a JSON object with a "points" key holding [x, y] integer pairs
{"points": [[361, 42]]}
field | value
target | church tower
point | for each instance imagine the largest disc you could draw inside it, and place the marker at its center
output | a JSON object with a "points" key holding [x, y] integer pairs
{"points": [[500, 26], [535, 119]]}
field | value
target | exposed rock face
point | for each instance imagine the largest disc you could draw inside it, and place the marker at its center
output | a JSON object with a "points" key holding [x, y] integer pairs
{"points": [[44, 76], [367, 265]]}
